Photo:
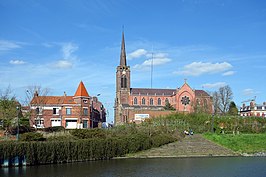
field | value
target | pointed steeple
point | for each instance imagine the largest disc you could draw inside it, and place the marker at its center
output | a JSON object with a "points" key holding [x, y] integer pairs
{"points": [[123, 61], [81, 91]]}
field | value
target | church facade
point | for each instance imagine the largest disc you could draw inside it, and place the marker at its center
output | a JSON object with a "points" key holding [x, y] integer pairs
{"points": [[138, 104]]}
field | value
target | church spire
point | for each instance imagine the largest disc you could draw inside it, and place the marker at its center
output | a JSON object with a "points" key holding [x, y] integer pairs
{"points": [[123, 61]]}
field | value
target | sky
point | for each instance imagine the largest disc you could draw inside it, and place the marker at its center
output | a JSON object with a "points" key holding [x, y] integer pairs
{"points": [[57, 44]]}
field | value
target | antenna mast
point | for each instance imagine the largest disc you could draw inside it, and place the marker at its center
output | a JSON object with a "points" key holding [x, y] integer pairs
{"points": [[151, 65]]}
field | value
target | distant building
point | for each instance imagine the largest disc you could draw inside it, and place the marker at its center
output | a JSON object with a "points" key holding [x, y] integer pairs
{"points": [[253, 109], [137, 104], [71, 112]]}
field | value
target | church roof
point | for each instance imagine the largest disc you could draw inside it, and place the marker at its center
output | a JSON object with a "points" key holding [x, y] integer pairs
{"points": [[201, 93], [81, 91], [165, 92], [147, 91]]}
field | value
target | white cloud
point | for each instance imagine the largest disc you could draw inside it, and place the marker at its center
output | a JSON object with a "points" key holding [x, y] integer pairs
{"points": [[8, 45], [199, 68], [17, 62], [249, 92], [68, 49], [214, 85], [63, 64], [137, 53], [228, 73], [156, 60]]}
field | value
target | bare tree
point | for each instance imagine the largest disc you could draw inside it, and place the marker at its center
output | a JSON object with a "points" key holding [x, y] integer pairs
{"points": [[225, 97], [35, 99], [216, 102], [221, 99]]}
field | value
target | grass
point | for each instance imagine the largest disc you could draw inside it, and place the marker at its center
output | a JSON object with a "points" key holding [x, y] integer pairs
{"points": [[243, 143]]}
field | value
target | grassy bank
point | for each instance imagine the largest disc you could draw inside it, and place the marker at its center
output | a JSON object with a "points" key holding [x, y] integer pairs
{"points": [[243, 143]]}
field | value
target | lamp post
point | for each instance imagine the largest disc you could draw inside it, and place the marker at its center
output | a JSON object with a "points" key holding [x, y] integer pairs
{"points": [[18, 109], [213, 123]]}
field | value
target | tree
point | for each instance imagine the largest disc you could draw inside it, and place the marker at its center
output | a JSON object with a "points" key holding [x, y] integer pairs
{"points": [[168, 106], [216, 102], [222, 99], [8, 109], [35, 97], [232, 109], [225, 97]]}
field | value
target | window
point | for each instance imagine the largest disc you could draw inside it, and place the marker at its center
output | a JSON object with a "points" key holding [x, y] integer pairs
{"points": [[85, 111], [37, 110], [205, 103], [123, 82], [159, 101], [55, 111], [166, 100], [143, 101], [85, 124], [135, 101], [68, 111], [39, 123], [151, 101]]}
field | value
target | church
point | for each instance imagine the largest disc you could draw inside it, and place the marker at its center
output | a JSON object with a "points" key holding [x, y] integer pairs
{"points": [[138, 104]]}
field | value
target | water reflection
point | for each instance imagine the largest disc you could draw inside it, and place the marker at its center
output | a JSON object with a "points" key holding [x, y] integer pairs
{"points": [[168, 167]]}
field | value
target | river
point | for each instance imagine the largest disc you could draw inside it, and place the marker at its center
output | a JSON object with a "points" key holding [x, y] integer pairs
{"points": [[157, 167]]}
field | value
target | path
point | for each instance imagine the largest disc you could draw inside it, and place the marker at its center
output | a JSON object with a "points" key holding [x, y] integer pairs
{"points": [[190, 146]]}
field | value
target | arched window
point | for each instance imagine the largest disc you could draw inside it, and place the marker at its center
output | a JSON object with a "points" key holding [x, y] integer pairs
{"points": [[143, 101], [123, 82], [135, 100], [151, 101], [198, 102], [205, 103], [159, 101]]}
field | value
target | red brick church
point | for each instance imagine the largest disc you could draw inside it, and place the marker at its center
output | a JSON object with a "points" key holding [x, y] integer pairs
{"points": [[137, 104]]}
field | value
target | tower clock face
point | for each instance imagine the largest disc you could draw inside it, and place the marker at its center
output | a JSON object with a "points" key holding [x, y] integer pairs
{"points": [[123, 72]]}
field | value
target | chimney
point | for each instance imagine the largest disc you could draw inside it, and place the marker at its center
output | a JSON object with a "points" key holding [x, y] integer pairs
{"points": [[36, 93]]}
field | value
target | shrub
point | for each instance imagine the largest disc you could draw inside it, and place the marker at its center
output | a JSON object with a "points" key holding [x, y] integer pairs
{"points": [[32, 136], [89, 133], [54, 129]]}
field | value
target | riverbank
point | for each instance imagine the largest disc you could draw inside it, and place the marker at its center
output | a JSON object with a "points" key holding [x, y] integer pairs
{"points": [[191, 146], [245, 144]]}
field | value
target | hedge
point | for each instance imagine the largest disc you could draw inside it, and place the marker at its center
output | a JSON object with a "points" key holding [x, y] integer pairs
{"points": [[80, 150]]}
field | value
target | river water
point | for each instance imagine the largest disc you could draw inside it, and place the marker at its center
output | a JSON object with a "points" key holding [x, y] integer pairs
{"points": [[157, 167]]}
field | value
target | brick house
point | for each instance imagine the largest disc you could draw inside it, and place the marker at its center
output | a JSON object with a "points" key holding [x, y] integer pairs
{"points": [[136, 104], [71, 112], [253, 109]]}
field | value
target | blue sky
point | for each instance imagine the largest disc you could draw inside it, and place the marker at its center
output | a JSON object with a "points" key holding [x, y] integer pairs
{"points": [[56, 44]]}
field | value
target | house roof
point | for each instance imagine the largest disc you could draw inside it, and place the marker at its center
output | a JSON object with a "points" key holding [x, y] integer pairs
{"points": [[53, 100], [147, 91], [81, 91]]}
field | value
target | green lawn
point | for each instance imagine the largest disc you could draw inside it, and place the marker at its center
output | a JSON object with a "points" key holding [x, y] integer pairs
{"points": [[243, 143]]}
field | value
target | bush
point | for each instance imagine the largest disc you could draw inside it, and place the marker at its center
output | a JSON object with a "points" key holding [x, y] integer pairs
{"points": [[89, 133], [32, 136], [54, 129]]}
